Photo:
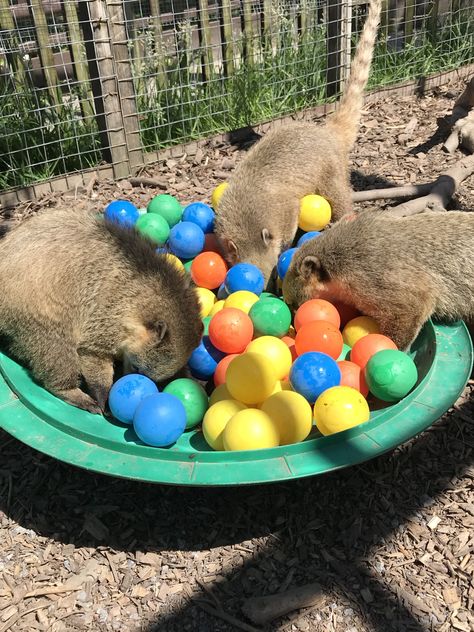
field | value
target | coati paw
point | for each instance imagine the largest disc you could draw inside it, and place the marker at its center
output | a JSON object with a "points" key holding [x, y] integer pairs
{"points": [[79, 399]]}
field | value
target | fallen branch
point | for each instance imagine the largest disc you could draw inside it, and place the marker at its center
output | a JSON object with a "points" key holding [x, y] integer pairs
{"points": [[461, 121], [225, 617], [264, 609], [442, 191], [147, 182], [392, 193]]}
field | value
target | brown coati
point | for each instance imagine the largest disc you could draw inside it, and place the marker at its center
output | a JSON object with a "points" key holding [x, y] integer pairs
{"points": [[258, 213], [78, 293]]}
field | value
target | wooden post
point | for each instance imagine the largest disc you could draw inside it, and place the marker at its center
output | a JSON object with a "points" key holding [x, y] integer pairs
{"points": [[247, 31], [409, 20], [159, 47], [79, 57], [334, 47], [205, 40], [346, 39], [46, 54], [227, 37], [433, 20], [267, 23], [384, 19], [7, 23]]}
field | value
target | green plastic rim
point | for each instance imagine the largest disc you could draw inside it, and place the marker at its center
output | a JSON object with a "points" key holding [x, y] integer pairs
{"points": [[443, 355]]}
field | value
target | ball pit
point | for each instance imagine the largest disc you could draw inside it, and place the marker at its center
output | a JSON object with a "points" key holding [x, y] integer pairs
{"points": [[208, 269], [270, 316], [319, 335], [230, 330]]}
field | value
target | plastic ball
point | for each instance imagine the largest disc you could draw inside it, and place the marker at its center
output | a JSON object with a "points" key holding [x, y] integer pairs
{"points": [[186, 240], [187, 265], [268, 295], [216, 419], [204, 359], [367, 346], [217, 194], [346, 312], [175, 261], [319, 335], [205, 321], [315, 213], [241, 300], [352, 375], [220, 393], [127, 393], [271, 317], [244, 276], [284, 261], [250, 429], [154, 227], [221, 369], [275, 351], [250, 378], [345, 353], [222, 293], [291, 414], [312, 373], [390, 375], [290, 343], [211, 244], [230, 330], [208, 270], [307, 236], [192, 396], [121, 212], [206, 300], [200, 214], [340, 408], [167, 206], [218, 305], [358, 328], [160, 420], [316, 309]]}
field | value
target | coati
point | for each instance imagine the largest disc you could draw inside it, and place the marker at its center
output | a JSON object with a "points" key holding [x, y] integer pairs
{"points": [[400, 271], [78, 293], [258, 213]]}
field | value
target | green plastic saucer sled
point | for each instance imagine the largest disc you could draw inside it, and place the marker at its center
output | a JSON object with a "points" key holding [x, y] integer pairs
{"points": [[443, 355]]}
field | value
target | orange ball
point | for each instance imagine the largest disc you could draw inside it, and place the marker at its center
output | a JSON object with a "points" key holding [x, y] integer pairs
{"points": [[221, 369], [352, 375], [231, 330], [367, 346], [346, 312], [316, 309], [290, 343], [319, 335], [208, 270]]}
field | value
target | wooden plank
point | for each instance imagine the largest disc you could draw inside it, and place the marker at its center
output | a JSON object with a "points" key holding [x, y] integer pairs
{"points": [[159, 47], [7, 23], [346, 39], [409, 20], [334, 48], [45, 50], [227, 37], [205, 39], [78, 53], [248, 31]]}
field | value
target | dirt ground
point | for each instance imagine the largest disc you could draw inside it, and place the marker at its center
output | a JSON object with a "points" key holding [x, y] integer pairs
{"points": [[391, 542]]}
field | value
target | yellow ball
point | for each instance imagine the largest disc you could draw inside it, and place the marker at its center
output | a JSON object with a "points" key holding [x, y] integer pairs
{"points": [[216, 419], [250, 378], [220, 393], [206, 300], [250, 429], [339, 408], [217, 194], [358, 328], [218, 305], [175, 261], [291, 414], [285, 386], [275, 351], [242, 299], [315, 213]]}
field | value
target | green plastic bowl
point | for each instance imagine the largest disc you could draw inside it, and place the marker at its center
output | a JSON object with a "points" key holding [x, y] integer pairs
{"points": [[443, 355]]}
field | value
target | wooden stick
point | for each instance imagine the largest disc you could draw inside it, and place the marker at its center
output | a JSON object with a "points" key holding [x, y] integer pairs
{"points": [[220, 614], [392, 193], [147, 182], [262, 610]]}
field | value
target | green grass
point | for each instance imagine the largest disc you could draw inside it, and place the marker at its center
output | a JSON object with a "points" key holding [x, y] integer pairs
{"points": [[40, 141]]}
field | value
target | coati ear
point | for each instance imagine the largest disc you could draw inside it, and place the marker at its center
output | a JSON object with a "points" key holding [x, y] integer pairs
{"points": [[310, 265], [160, 328], [266, 236]]}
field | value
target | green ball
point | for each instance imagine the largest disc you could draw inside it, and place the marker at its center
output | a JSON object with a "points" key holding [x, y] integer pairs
{"points": [[154, 227], [390, 375], [205, 321], [192, 396], [168, 207], [270, 317], [267, 295], [345, 353], [187, 265]]}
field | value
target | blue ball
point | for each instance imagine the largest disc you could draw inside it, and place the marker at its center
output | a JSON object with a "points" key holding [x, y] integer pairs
{"points": [[127, 393], [160, 420], [222, 293], [204, 359], [306, 236], [200, 214], [186, 240], [162, 250], [122, 212], [312, 373], [284, 261], [244, 276]]}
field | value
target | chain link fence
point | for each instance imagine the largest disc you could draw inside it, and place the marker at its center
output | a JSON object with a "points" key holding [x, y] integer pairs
{"points": [[112, 80]]}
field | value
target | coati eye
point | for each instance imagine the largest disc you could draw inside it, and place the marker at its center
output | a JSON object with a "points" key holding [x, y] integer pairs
{"points": [[266, 236]]}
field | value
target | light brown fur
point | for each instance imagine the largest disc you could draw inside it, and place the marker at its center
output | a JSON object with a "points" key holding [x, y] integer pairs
{"points": [[78, 293], [399, 271], [258, 213]]}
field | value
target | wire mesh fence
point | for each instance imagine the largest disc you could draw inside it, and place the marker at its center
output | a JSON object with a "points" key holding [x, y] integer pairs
{"points": [[94, 80]]}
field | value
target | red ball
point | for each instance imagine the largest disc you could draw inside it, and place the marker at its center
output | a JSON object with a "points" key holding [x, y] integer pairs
{"points": [[319, 335], [231, 330], [367, 346], [316, 309], [346, 312], [290, 343], [208, 270], [211, 244], [221, 369], [352, 375]]}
